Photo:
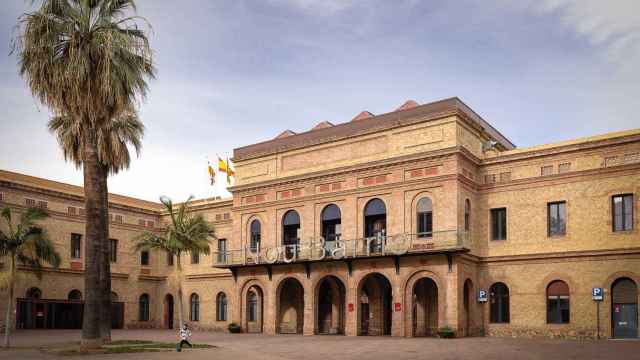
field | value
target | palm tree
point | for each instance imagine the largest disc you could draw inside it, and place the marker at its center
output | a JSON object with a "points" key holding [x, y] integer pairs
{"points": [[187, 233], [113, 138], [27, 244], [88, 61]]}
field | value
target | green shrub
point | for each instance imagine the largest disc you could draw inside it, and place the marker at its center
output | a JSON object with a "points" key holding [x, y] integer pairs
{"points": [[234, 328], [446, 332]]}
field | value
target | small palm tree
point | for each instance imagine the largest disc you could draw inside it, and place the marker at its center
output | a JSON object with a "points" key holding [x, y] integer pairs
{"points": [[187, 233], [88, 62], [24, 243]]}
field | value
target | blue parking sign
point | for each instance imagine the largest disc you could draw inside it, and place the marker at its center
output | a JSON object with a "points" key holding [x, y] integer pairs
{"points": [[597, 294], [482, 295]]}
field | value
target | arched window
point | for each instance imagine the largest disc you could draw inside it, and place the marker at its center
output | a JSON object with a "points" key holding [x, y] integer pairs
{"points": [[467, 215], [221, 307], [34, 293], [331, 222], [499, 298], [256, 234], [143, 306], [252, 306], [425, 218], [290, 230], [194, 308], [558, 302], [75, 295], [375, 224]]}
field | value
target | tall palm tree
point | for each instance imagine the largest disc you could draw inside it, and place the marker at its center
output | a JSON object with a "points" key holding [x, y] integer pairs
{"points": [[187, 233], [113, 140], [27, 244], [88, 61]]}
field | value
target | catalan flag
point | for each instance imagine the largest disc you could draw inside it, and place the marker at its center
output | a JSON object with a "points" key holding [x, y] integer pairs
{"points": [[212, 173], [222, 165], [230, 172]]}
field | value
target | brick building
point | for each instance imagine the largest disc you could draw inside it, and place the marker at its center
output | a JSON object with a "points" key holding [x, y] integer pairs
{"points": [[393, 224]]}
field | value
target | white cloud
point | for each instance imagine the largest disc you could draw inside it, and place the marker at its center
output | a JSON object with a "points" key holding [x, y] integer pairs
{"points": [[612, 25], [318, 7]]}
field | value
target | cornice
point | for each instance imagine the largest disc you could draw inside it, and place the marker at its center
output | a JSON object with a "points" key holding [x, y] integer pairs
{"points": [[336, 173], [560, 255], [562, 149]]}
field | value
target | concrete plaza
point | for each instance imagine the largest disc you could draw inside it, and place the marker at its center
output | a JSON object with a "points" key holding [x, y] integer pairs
{"points": [[245, 346]]}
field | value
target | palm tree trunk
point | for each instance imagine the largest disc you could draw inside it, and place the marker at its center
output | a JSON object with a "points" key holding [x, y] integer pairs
{"points": [[8, 324], [105, 262], [94, 233], [180, 307]]}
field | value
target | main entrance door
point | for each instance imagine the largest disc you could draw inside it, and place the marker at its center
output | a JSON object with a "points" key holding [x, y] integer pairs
{"points": [[624, 311]]}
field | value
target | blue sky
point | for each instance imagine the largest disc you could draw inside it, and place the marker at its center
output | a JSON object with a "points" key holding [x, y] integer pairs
{"points": [[231, 73]]}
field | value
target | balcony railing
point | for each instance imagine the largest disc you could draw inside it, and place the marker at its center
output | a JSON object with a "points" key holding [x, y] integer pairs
{"points": [[319, 250]]}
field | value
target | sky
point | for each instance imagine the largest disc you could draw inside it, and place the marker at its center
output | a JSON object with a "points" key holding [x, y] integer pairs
{"points": [[235, 72]]}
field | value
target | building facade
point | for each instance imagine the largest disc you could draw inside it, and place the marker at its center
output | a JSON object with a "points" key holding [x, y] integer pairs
{"points": [[399, 224]]}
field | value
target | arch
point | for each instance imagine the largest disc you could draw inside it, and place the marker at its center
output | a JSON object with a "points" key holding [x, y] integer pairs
{"points": [[558, 302], [252, 299], [331, 222], [374, 305], [499, 311], [255, 235], [221, 307], [168, 311], [467, 306], [194, 307], [291, 232], [143, 307], [330, 298], [75, 295], [375, 224], [424, 307], [34, 293], [290, 306], [424, 220], [624, 308], [467, 215]]}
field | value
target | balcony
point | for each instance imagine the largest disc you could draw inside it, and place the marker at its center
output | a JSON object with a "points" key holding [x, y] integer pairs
{"points": [[314, 250]]}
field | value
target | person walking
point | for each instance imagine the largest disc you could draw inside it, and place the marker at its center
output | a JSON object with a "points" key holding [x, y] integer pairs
{"points": [[185, 333]]}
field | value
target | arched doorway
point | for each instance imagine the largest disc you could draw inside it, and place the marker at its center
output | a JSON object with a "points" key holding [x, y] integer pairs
{"points": [[624, 308], [330, 310], [254, 307], [290, 307], [374, 301], [290, 233], [168, 311], [425, 307], [467, 301], [375, 224]]}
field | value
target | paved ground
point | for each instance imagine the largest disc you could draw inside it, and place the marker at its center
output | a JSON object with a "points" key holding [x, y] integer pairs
{"points": [[244, 346]]}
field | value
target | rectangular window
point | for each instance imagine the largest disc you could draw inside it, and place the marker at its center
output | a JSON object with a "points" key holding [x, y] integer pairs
{"points": [[71, 210], [113, 250], [144, 258], [169, 259], [117, 219], [141, 222], [546, 170], [425, 224], [42, 204], [564, 167], [558, 309], [222, 251], [499, 224], [195, 257], [1, 197], [76, 240], [622, 211], [556, 218], [30, 202], [490, 179]]}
